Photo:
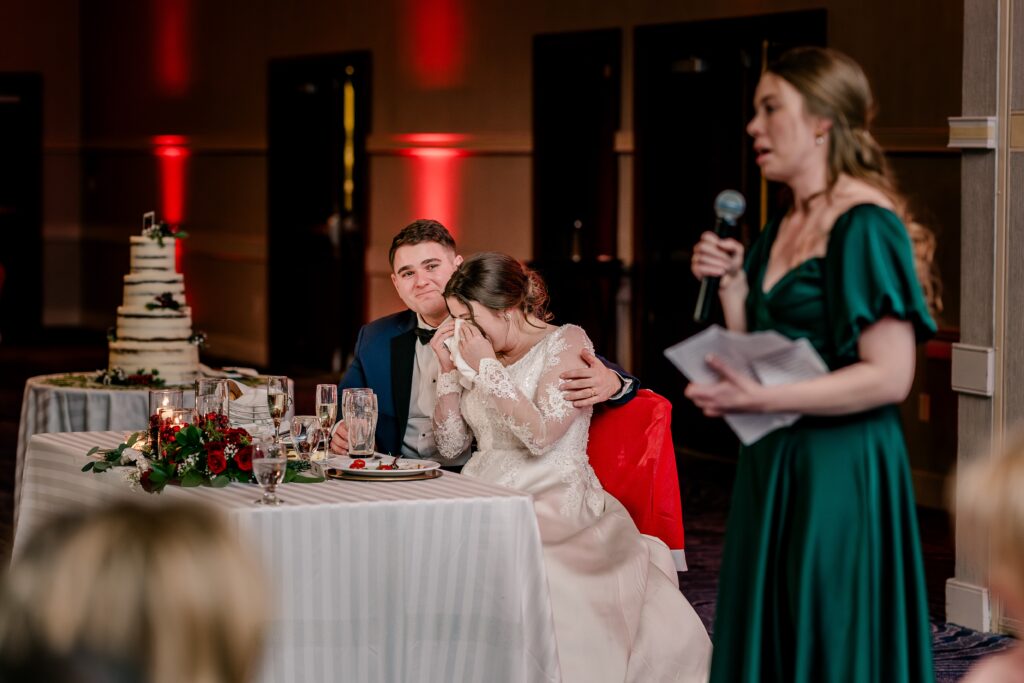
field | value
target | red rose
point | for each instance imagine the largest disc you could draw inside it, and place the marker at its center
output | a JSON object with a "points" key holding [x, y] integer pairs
{"points": [[234, 435], [243, 458], [215, 460]]}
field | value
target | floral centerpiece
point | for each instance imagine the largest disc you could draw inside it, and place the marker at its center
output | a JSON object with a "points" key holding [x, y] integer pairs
{"points": [[207, 453]]}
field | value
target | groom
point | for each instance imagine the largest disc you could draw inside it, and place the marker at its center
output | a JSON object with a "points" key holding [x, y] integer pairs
{"points": [[393, 355]]}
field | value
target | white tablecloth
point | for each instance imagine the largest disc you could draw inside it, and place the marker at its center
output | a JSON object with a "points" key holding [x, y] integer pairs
{"points": [[439, 580], [46, 409]]}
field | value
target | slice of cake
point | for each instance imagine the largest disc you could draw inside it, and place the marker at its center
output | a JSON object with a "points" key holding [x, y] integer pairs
{"points": [[154, 324]]}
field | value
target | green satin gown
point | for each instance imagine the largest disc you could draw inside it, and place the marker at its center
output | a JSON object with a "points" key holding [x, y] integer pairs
{"points": [[822, 579]]}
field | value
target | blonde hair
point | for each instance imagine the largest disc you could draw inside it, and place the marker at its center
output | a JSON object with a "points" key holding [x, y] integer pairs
{"points": [[835, 87], [990, 499], [165, 590]]}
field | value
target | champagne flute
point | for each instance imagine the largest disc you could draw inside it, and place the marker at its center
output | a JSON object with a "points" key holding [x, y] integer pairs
{"points": [[268, 467], [277, 401], [327, 411]]}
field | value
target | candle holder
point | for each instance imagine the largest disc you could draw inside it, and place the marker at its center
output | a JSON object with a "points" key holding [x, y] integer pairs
{"points": [[212, 396], [161, 402]]}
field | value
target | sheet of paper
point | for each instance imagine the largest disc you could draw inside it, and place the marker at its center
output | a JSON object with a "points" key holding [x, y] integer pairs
{"points": [[767, 357]]}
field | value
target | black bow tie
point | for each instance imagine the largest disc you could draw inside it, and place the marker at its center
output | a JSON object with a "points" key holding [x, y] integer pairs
{"points": [[424, 334]]}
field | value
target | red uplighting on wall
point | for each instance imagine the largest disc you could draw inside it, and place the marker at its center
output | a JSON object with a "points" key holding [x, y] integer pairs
{"points": [[172, 154], [172, 27], [434, 34], [436, 187]]}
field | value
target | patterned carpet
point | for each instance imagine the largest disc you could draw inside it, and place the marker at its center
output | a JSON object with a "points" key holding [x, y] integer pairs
{"points": [[706, 487]]}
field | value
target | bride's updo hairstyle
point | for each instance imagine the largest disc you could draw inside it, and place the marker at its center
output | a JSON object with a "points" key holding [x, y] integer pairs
{"points": [[835, 87], [499, 282]]}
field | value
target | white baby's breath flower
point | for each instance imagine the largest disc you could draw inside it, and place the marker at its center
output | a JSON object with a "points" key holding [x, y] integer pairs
{"points": [[130, 455], [142, 464], [132, 476]]}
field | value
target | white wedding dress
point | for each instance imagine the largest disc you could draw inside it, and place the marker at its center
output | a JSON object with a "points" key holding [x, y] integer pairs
{"points": [[619, 615]]}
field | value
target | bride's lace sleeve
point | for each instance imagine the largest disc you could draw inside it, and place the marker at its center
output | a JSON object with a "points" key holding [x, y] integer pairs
{"points": [[451, 433], [542, 422]]}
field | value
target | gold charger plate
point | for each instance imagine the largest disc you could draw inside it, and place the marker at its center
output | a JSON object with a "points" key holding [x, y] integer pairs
{"points": [[343, 474]]}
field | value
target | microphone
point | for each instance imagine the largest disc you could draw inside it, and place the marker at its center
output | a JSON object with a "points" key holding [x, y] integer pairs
{"points": [[729, 206]]}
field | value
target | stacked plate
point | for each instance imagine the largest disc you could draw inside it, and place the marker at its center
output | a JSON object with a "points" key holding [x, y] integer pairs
{"points": [[251, 408]]}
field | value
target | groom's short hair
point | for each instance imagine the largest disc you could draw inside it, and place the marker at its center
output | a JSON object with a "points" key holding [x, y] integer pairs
{"points": [[423, 230]]}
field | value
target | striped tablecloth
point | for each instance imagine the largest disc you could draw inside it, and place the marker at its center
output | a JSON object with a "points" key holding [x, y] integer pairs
{"points": [[47, 408], [439, 580]]}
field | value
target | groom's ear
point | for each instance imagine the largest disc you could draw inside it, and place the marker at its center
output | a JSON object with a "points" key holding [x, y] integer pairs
{"points": [[458, 260]]}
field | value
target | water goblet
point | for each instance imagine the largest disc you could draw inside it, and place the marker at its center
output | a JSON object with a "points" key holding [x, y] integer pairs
{"points": [[305, 434], [268, 467]]}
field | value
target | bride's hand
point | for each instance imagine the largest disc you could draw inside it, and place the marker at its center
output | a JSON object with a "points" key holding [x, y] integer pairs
{"points": [[474, 346], [444, 357]]}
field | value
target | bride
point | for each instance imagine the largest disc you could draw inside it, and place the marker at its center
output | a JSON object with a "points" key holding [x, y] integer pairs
{"points": [[618, 612]]}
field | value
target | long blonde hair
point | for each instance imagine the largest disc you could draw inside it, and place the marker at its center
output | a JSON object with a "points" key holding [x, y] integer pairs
{"points": [[164, 591], [834, 87]]}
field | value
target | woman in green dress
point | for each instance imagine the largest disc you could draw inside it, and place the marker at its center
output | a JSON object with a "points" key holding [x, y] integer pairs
{"points": [[822, 579]]}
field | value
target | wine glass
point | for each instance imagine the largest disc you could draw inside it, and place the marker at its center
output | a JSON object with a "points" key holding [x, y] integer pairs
{"points": [[305, 435], [277, 401], [268, 467], [327, 411]]}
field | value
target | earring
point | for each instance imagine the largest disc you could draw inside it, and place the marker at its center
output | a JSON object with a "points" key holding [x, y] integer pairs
{"points": [[508, 316], [820, 139]]}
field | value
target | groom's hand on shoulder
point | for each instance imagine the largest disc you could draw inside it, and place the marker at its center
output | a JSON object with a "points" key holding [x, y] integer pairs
{"points": [[592, 384]]}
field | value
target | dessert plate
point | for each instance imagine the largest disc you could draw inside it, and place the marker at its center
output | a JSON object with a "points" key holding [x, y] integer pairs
{"points": [[407, 467]]}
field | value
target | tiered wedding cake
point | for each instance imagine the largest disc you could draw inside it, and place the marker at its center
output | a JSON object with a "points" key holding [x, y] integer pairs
{"points": [[154, 326]]}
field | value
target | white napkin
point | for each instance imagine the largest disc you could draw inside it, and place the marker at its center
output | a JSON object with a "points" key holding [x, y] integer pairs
{"points": [[467, 373], [207, 371]]}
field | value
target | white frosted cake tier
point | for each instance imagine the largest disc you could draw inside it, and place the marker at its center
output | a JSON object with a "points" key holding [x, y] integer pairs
{"points": [[143, 288], [163, 324], [177, 361], [148, 255]]}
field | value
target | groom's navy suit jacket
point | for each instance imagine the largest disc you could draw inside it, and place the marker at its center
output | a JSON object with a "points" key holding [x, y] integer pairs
{"points": [[384, 357]]}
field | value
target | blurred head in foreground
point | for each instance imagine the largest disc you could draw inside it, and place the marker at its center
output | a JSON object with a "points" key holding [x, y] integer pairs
{"points": [[990, 502], [160, 594]]}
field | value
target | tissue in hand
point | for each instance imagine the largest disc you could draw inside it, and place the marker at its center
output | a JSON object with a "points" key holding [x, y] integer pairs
{"points": [[452, 342]]}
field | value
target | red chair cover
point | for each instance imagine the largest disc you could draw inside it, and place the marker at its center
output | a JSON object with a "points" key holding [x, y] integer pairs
{"points": [[632, 454]]}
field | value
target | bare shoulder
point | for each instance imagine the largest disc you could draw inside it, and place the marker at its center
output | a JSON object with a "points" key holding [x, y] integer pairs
{"points": [[850, 192]]}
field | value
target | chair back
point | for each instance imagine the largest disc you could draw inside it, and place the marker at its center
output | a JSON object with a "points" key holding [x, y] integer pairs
{"points": [[631, 451]]}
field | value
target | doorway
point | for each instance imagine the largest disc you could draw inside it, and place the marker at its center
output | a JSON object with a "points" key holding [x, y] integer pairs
{"points": [[318, 194], [694, 86], [21, 200], [576, 111]]}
